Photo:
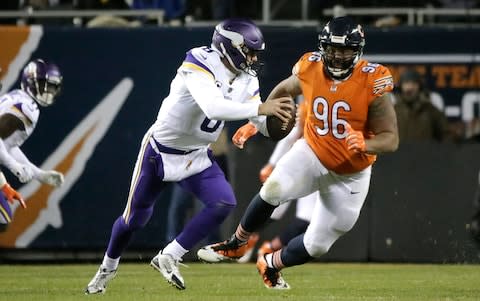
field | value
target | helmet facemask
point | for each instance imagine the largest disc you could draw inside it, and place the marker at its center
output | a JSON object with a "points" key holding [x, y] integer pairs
{"points": [[341, 45], [340, 60], [42, 82], [45, 91]]}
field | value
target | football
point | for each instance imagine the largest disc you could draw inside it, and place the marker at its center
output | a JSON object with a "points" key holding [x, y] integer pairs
{"points": [[278, 130]]}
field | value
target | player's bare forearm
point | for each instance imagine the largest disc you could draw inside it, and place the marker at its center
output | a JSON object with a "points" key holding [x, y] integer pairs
{"points": [[288, 87], [382, 143], [382, 122]]}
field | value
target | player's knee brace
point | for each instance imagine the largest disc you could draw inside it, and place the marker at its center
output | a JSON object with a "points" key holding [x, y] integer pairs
{"points": [[271, 192], [320, 243], [316, 250], [345, 221]]}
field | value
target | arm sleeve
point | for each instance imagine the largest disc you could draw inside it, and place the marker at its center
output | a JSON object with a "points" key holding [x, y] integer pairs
{"points": [[284, 145], [19, 156], [212, 102], [260, 123]]}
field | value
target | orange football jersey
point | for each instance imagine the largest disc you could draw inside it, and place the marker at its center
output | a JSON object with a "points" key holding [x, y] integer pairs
{"points": [[329, 105]]}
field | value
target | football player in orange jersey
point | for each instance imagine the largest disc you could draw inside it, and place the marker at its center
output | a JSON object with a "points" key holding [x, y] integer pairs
{"points": [[348, 118]]}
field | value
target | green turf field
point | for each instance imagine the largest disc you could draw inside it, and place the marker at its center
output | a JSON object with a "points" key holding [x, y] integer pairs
{"points": [[231, 282]]}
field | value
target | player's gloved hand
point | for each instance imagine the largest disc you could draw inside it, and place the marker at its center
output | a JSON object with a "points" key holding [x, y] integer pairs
{"points": [[51, 177], [265, 172], [355, 140], [243, 134], [12, 195], [22, 171]]}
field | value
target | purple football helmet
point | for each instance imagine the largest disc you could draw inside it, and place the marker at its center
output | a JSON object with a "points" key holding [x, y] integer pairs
{"points": [[237, 38], [42, 81], [341, 32]]}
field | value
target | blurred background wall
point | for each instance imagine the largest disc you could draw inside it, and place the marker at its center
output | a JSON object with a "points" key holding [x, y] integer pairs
{"points": [[420, 203]]}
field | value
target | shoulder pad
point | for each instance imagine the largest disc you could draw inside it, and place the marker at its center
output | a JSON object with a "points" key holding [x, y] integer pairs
{"points": [[308, 59], [378, 76], [201, 59]]}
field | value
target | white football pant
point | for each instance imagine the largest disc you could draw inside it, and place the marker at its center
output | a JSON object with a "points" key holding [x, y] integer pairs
{"points": [[300, 173]]}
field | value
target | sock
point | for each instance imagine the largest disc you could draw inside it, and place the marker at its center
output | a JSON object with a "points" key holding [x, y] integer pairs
{"points": [[174, 249], [295, 228], [294, 253], [204, 223], [242, 235], [269, 260], [257, 214], [110, 263]]}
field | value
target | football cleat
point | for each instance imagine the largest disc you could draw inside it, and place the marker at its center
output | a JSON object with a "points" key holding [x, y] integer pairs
{"points": [[265, 248], [98, 284], [272, 278], [252, 241], [227, 250], [168, 267]]}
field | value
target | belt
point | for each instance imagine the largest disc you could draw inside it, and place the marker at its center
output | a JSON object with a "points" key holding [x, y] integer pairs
{"points": [[168, 150]]}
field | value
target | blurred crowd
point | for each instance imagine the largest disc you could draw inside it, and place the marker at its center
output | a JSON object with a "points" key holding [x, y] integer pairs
{"points": [[177, 12]]}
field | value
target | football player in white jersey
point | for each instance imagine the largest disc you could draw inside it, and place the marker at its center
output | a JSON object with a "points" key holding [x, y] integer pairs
{"points": [[213, 84], [40, 84]]}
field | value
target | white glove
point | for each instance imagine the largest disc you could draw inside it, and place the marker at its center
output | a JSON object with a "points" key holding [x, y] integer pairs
{"points": [[50, 177], [23, 172]]}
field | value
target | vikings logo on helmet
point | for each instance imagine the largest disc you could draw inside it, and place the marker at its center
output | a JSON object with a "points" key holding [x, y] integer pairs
{"points": [[237, 38], [42, 81]]}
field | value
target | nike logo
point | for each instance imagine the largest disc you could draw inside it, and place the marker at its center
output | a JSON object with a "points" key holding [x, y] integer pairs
{"points": [[354, 192]]}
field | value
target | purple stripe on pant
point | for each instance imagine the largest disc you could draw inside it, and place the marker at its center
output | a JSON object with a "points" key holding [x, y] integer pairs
{"points": [[209, 186], [5, 211]]}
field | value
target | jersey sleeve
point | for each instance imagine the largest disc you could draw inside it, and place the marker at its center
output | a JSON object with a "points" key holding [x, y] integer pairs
{"points": [[253, 96], [253, 90], [301, 67], [381, 82], [196, 60], [23, 113], [199, 78]]}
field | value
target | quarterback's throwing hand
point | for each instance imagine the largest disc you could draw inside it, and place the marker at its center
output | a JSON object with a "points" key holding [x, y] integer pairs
{"points": [[243, 134], [355, 140]]}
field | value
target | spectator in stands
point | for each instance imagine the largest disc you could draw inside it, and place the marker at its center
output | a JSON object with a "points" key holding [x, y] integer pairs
{"points": [[174, 9], [100, 4], [9, 5], [222, 9], [103, 20], [418, 119]]}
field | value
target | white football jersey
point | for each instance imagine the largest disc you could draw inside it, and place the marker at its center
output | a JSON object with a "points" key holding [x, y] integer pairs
{"points": [[21, 105], [203, 87]]}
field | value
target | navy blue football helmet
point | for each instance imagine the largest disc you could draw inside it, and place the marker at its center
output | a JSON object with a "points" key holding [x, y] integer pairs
{"points": [[42, 81], [341, 32], [237, 38]]}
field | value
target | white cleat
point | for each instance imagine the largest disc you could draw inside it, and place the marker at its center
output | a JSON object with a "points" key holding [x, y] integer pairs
{"points": [[98, 284], [165, 264], [207, 254]]}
